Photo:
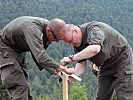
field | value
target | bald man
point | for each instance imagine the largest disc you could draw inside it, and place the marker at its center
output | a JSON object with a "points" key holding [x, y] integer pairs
{"points": [[109, 50], [21, 35]]}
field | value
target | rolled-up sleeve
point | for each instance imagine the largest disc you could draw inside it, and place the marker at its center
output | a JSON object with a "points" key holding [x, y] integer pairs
{"points": [[33, 36]]}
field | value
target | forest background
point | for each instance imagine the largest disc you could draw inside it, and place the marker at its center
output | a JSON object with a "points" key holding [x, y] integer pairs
{"points": [[117, 13]]}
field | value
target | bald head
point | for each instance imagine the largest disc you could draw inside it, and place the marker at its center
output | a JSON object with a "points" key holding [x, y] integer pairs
{"points": [[73, 35], [69, 28], [57, 25]]}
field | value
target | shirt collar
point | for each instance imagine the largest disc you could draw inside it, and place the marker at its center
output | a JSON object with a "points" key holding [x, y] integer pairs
{"points": [[84, 34], [45, 39]]}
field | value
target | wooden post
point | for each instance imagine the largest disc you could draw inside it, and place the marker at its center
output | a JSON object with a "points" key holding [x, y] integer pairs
{"points": [[65, 85]]}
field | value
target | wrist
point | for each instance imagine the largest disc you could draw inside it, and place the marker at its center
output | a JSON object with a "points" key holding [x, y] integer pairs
{"points": [[71, 57]]}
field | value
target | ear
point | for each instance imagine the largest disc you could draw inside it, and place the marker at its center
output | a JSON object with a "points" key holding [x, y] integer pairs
{"points": [[48, 29], [74, 31]]}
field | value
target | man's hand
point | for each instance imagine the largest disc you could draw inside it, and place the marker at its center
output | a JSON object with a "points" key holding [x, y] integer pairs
{"points": [[69, 70], [66, 70], [65, 61], [95, 69]]}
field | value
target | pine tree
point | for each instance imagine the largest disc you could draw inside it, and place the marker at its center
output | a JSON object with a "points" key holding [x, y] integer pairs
{"points": [[78, 92]]}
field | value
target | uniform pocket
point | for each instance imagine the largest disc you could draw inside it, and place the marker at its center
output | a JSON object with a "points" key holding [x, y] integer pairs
{"points": [[6, 76], [129, 72], [5, 60], [129, 80], [12, 75]]}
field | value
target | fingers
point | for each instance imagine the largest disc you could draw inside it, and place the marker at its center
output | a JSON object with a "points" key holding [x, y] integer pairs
{"points": [[95, 67], [65, 61], [70, 71], [95, 72]]}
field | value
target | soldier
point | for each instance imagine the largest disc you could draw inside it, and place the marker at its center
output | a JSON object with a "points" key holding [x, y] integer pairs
{"points": [[21, 35], [107, 49]]}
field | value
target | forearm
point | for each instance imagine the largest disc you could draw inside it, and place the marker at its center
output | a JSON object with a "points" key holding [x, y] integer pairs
{"points": [[88, 52], [80, 68]]}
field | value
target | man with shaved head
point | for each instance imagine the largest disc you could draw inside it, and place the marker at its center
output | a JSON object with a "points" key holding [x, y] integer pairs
{"points": [[21, 35]]}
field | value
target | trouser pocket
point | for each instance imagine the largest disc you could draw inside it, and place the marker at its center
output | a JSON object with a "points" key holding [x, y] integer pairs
{"points": [[6, 76], [12, 75], [129, 80]]}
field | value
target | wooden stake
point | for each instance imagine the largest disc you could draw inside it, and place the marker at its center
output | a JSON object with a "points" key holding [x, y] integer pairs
{"points": [[65, 85]]}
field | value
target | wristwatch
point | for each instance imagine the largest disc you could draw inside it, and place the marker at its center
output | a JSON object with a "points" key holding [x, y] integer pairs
{"points": [[71, 57]]}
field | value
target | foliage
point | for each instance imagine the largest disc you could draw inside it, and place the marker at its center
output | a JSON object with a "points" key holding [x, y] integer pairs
{"points": [[3, 93], [114, 96], [78, 92]]}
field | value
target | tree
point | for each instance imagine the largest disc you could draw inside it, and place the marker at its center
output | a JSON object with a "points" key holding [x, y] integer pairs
{"points": [[44, 97], [3, 92], [78, 92]]}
